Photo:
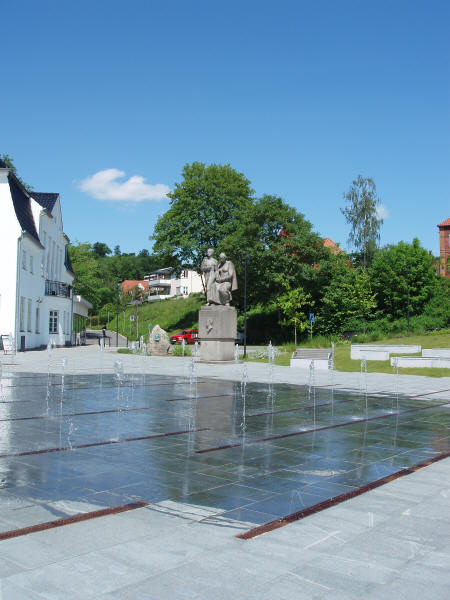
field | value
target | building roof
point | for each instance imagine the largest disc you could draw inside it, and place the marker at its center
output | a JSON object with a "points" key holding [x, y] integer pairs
{"points": [[445, 223], [82, 300], [130, 284], [22, 207], [68, 262], [333, 247], [46, 200], [163, 270]]}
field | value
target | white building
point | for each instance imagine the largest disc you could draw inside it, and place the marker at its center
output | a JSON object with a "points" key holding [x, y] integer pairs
{"points": [[165, 283], [36, 276]]}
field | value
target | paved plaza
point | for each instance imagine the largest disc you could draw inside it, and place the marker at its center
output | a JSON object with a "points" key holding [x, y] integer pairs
{"points": [[135, 480]]}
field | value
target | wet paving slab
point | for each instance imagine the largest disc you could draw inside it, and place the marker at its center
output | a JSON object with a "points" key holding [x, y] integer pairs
{"points": [[200, 449]]}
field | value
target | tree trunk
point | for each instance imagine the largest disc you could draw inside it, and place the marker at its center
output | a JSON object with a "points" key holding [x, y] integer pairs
{"points": [[295, 336]]}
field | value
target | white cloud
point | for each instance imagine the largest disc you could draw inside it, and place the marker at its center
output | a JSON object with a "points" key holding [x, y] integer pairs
{"points": [[103, 185], [382, 212]]}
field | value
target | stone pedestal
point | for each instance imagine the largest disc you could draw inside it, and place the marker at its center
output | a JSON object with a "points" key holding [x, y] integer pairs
{"points": [[217, 327]]}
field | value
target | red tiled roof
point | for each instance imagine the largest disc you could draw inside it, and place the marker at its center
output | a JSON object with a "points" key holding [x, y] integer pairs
{"points": [[445, 223], [130, 284]]}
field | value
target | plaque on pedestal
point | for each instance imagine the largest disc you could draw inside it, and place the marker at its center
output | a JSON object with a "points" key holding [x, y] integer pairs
{"points": [[217, 326]]}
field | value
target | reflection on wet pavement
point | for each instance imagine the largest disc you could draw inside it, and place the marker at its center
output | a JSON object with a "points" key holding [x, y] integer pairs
{"points": [[92, 444]]}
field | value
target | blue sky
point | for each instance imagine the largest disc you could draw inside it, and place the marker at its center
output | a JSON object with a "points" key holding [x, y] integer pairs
{"points": [[300, 96]]}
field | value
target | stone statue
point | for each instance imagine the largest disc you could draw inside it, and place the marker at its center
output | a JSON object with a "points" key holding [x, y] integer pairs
{"points": [[209, 267], [226, 280], [217, 321]]}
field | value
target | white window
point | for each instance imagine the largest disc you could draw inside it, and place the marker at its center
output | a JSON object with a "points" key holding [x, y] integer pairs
{"points": [[31, 264], [38, 318], [178, 290], [185, 290], [22, 313], [184, 274], [24, 260], [53, 321], [29, 315]]}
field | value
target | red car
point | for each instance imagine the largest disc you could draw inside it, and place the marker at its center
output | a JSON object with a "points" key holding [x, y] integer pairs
{"points": [[190, 336]]}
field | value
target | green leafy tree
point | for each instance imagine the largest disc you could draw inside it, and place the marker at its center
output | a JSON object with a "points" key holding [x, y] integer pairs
{"points": [[295, 304], [100, 249], [117, 251], [87, 271], [282, 250], [105, 295], [361, 214], [205, 208], [399, 271], [9, 161], [348, 299]]}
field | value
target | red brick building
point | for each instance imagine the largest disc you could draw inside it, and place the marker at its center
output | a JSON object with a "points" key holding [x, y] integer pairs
{"points": [[332, 247], [444, 245]]}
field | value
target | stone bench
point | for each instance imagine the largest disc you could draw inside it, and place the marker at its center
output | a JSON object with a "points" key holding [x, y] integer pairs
{"points": [[359, 351], [428, 362], [436, 352], [302, 358]]}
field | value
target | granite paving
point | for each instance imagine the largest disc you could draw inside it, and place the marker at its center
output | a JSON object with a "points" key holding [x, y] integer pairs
{"points": [[212, 456]]}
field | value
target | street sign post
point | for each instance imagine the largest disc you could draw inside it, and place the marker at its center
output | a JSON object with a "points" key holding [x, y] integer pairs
{"points": [[311, 320]]}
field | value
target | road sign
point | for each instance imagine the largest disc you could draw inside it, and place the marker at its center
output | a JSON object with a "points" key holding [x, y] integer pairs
{"points": [[311, 317], [131, 318]]}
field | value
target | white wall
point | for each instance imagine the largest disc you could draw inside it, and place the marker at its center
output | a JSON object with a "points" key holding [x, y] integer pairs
{"points": [[25, 266], [81, 306], [31, 288], [52, 237], [9, 233], [188, 285]]}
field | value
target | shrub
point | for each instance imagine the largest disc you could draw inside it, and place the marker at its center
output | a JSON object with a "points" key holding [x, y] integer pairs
{"points": [[177, 350], [263, 326]]}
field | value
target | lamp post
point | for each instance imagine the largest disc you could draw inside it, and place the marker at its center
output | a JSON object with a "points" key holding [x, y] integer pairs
{"points": [[117, 317], [407, 289], [245, 258]]}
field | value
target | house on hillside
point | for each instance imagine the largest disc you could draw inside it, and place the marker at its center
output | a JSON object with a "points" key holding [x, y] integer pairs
{"points": [[36, 276], [164, 283], [137, 288]]}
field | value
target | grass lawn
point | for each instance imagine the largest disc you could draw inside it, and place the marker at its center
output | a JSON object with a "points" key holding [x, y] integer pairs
{"points": [[343, 362], [173, 315]]}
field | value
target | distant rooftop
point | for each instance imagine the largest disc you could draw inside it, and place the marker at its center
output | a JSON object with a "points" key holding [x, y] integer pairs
{"points": [[333, 247], [445, 223]]}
